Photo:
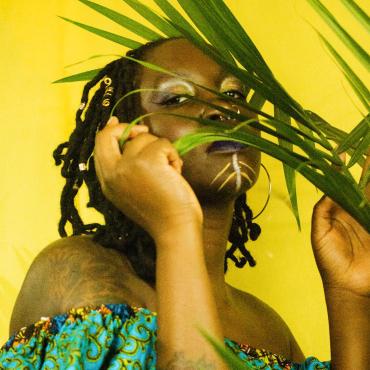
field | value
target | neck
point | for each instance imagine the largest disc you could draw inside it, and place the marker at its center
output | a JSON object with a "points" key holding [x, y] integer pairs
{"points": [[216, 226]]}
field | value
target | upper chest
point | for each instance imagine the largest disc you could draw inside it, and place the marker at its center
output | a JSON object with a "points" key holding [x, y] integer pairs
{"points": [[255, 324], [104, 276]]}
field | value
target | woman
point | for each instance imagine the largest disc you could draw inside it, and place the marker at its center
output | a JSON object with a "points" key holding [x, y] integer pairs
{"points": [[175, 267]]}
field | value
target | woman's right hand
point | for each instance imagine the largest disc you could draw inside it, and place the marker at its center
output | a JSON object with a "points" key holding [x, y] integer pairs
{"points": [[144, 181]]}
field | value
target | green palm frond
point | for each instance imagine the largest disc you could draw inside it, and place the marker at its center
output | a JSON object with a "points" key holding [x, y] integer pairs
{"points": [[156, 20], [289, 172], [342, 34], [124, 41], [82, 76], [300, 139], [136, 27], [358, 86], [229, 357], [358, 13]]}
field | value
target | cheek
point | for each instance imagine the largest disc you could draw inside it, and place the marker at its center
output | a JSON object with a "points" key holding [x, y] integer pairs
{"points": [[170, 128], [255, 163]]}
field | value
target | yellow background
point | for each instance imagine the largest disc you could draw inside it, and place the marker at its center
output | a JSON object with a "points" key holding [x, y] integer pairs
{"points": [[36, 116]]}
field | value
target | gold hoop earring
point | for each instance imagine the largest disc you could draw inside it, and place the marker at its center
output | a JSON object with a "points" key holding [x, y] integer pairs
{"points": [[268, 195]]}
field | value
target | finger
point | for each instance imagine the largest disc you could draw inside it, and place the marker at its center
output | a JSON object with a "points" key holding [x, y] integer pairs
{"points": [[114, 124], [162, 150], [114, 130], [107, 150], [175, 161], [133, 147], [322, 217]]}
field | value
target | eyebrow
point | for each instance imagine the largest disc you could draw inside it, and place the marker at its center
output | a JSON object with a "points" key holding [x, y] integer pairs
{"points": [[230, 78], [164, 82], [164, 77], [175, 82]]}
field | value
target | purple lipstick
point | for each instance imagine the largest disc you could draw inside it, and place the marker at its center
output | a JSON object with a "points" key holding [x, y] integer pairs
{"points": [[225, 147]]}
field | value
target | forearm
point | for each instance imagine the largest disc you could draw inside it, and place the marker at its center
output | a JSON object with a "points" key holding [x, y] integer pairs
{"points": [[349, 322], [185, 303]]}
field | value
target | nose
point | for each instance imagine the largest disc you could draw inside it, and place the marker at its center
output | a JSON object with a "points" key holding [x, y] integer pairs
{"points": [[213, 114]]}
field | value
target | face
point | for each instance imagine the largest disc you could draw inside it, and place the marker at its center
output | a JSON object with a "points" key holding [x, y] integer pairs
{"points": [[212, 174]]}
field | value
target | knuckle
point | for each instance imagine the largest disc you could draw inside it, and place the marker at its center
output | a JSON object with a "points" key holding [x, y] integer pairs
{"points": [[149, 135], [139, 162], [128, 142], [164, 141]]}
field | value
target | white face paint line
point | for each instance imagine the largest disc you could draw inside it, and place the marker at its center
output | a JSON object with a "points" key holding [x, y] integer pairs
{"points": [[220, 173], [237, 172], [245, 175], [249, 167], [226, 181]]}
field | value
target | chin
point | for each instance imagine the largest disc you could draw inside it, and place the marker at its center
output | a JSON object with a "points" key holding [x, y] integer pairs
{"points": [[228, 193], [221, 176]]}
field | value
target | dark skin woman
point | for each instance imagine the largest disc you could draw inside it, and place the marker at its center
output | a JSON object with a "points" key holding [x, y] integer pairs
{"points": [[187, 207]]}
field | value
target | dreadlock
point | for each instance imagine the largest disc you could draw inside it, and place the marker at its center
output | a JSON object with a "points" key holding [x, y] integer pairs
{"points": [[119, 232]]}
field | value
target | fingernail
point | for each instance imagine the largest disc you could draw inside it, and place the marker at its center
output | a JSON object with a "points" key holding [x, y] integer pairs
{"points": [[112, 120], [142, 124]]}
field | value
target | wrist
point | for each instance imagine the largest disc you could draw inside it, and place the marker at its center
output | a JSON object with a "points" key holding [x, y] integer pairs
{"points": [[336, 294], [179, 233], [349, 325]]}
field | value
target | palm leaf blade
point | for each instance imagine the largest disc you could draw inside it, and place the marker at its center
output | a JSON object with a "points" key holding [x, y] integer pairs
{"points": [[234, 25], [355, 135], [257, 101], [229, 357], [336, 185], [342, 34], [175, 17], [359, 87], [123, 21], [289, 173], [82, 76], [216, 23], [361, 149], [361, 16], [156, 20], [107, 35]]}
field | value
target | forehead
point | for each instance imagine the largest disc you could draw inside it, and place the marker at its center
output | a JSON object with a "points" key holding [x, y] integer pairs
{"points": [[182, 57]]}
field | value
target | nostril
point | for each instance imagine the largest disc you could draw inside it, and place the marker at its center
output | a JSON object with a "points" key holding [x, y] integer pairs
{"points": [[216, 117]]}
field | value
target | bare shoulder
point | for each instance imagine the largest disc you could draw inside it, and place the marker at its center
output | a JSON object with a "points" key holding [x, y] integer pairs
{"points": [[260, 308], [70, 272], [271, 331]]}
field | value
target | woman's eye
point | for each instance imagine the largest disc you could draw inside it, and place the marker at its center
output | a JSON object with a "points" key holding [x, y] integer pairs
{"points": [[177, 99], [235, 94]]}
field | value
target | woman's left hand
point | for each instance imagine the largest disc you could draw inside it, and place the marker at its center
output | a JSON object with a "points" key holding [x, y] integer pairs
{"points": [[341, 247]]}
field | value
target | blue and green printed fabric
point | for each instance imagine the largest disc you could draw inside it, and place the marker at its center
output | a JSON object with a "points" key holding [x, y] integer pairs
{"points": [[114, 337]]}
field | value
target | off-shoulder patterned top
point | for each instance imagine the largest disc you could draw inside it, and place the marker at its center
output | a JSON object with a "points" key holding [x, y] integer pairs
{"points": [[112, 336]]}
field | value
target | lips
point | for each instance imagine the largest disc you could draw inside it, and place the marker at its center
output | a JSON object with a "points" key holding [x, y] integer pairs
{"points": [[225, 147]]}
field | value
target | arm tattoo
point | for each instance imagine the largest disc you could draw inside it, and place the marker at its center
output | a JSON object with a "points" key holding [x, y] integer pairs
{"points": [[180, 362]]}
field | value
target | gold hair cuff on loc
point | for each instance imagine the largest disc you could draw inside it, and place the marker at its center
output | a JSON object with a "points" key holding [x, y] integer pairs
{"points": [[82, 167]]}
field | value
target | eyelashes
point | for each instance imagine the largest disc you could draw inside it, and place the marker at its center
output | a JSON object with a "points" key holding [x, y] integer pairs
{"points": [[174, 100], [236, 94], [178, 99]]}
